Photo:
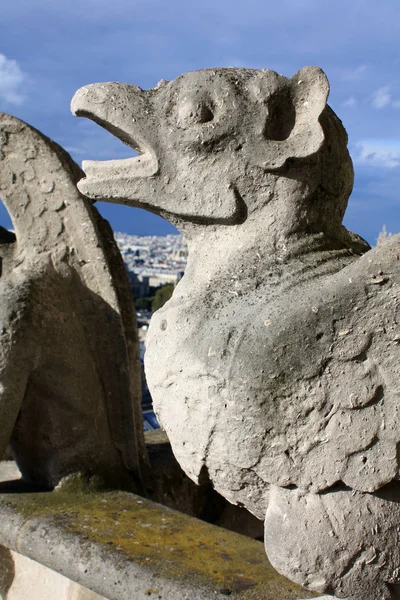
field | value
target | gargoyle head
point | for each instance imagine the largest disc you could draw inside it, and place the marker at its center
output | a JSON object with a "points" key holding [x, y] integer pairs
{"points": [[206, 137]]}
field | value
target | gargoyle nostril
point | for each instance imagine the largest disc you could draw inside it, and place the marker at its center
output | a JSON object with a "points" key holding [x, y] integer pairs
{"points": [[205, 114]]}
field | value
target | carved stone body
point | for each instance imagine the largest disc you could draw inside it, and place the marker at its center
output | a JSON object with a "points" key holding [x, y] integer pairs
{"points": [[69, 364], [275, 363]]}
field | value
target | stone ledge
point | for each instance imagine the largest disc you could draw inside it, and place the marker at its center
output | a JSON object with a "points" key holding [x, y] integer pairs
{"points": [[22, 578], [125, 547]]}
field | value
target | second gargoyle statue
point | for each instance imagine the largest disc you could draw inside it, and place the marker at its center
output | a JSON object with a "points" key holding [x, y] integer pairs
{"points": [[274, 368], [69, 356]]}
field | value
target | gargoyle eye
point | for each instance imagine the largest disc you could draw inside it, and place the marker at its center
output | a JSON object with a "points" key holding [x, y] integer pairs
{"points": [[194, 114]]}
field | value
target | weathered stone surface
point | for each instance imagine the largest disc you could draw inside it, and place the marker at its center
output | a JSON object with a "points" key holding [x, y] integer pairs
{"points": [[125, 547], [69, 362], [172, 487], [343, 542], [277, 359]]}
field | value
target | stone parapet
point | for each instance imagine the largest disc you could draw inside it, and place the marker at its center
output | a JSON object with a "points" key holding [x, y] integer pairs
{"points": [[124, 547]]}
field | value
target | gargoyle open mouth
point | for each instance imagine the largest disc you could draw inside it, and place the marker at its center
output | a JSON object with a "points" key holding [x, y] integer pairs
{"points": [[106, 105], [202, 139]]}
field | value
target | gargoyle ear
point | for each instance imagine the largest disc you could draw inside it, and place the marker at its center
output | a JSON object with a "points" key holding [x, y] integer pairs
{"points": [[292, 128], [309, 90]]}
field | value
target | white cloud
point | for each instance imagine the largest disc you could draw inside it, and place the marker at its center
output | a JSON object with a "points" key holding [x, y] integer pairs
{"points": [[238, 63], [350, 102], [354, 74], [11, 80], [381, 97], [378, 153]]}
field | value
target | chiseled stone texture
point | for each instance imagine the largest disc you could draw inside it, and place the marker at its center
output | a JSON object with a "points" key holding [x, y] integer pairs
{"points": [[344, 541], [69, 358], [276, 362]]}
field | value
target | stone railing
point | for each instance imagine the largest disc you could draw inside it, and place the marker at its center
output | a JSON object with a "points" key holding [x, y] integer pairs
{"points": [[80, 545]]}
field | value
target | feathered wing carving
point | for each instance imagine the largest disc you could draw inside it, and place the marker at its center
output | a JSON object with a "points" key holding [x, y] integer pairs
{"points": [[330, 406], [69, 372], [360, 374]]}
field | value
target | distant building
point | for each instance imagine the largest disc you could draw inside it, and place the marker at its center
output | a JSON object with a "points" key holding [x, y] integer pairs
{"points": [[151, 261], [140, 285], [149, 418], [158, 279]]}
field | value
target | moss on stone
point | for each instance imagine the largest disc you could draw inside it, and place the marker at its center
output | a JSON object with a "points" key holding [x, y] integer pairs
{"points": [[168, 542], [156, 436]]}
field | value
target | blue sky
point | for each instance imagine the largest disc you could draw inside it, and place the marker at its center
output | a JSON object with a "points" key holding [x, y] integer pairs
{"points": [[49, 49]]}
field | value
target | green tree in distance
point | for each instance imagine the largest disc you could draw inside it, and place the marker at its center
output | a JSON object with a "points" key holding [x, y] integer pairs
{"points": [[143, 303], [162, 295]]}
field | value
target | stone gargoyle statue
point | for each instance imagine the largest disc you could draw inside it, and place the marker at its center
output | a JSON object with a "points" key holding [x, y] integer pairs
{"points": [[275, 367], [69, 363]]}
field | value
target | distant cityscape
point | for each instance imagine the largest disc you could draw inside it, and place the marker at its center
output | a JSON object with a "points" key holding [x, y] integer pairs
{"points": [[152, 262]]}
